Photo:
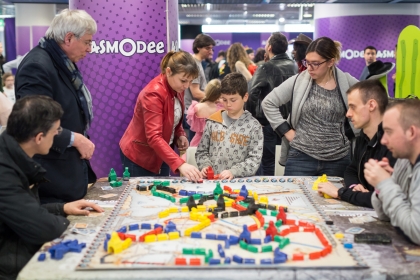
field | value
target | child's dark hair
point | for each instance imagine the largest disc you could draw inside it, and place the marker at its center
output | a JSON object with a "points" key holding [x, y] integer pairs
{"points": [[234, 83], [212, 91]]}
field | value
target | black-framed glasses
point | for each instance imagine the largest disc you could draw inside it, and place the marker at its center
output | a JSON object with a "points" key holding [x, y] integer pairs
{"points": [[314, 65]]}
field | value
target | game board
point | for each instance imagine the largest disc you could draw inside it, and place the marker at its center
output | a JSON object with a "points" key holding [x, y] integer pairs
{"points": [[161, 232]]}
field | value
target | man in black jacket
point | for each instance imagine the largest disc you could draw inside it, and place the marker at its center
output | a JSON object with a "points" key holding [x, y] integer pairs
{"points": [[268, 76], [50, 69], [367, 102], [24, 224]]}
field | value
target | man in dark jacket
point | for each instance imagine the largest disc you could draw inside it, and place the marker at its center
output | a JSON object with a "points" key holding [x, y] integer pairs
{"points": [[49, 69], [24, 224], [367, 102], [268, 76]]}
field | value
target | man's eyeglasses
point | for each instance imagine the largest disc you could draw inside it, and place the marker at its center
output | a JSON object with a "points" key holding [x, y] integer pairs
{"points": [[314, 65]]}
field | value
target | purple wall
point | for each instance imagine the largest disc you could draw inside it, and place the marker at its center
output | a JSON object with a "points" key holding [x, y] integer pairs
{"points": [[357, 32], [23, 43], [37, 33], [114, 74]]}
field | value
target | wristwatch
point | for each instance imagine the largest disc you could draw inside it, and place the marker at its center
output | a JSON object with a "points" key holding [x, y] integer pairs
{"points": [[340, 192]]}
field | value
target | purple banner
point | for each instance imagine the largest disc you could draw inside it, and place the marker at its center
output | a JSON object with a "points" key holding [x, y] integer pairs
{"points": [[37, 33], [187, 45], [126, 53], [23, 43], [223, 42], [357, 32], [10, 38]]}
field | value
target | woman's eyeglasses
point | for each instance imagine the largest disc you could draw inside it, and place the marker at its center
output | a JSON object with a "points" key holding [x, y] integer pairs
{"points": [[314, 65]]}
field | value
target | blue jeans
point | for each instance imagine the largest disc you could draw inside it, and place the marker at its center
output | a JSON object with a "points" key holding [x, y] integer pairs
{"points": [[300, 164], [268, 161], [186, 126], [138, 171]]}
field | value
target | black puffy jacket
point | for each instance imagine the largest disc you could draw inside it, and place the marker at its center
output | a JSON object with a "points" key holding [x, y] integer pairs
{"points": [[268, 76], [24, 224]]}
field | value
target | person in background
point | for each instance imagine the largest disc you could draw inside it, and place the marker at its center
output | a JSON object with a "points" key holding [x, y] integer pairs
{"points": [[232, 141], [203, 49], [156, 127], [259, 57], [13, 64], [50, 69], [397, 190], [2, 62], [267, 77], [239, 61], [370, 57], [367, 102], [9, 86], [300, 45], [317, 128], [25, 224], [5, 108], [200, 111], [250, 53]]}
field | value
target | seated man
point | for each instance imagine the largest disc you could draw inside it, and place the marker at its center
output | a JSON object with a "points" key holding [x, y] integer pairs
{"points": [[232, 141], [397, 196], [367, 102], [24, 224]]}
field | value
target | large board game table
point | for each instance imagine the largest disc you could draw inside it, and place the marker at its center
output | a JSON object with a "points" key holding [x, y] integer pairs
{"points": [[176, 230]]}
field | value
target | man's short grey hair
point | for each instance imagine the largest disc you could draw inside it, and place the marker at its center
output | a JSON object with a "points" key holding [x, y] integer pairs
{"points": [[77, 22]]}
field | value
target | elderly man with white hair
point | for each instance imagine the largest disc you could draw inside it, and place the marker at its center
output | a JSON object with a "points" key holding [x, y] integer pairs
{"points": [[50, 69]]}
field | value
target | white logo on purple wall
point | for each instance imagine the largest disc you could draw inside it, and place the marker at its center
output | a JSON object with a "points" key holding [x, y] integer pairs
{"points": [[222, 42], [127, 47], [351, 54]]}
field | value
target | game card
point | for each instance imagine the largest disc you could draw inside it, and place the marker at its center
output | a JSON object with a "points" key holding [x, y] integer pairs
{"points": [[355, 230]]}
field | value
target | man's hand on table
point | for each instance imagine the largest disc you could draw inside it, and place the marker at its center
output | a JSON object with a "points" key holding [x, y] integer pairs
{"points": [[77, 207], [328, 188]]}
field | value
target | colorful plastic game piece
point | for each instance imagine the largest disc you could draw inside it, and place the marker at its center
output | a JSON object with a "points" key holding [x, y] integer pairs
{"points": [[218, 190], [221, 202], [249, 261], [271, 230], [195, 261], [146, 226], [210, 173], [243, 192], [180, 261], [116, 245], [237, 259], [42, 257], [348, 245], [112, 176], [252, 249], [214, 261], [245, 234], [126, 174], [255, 241], [220, 250], [191, 203], [266, 261], [339, 235]]}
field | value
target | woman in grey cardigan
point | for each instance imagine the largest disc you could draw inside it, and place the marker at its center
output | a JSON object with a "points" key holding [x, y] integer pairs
{"points": [[316, 126]]}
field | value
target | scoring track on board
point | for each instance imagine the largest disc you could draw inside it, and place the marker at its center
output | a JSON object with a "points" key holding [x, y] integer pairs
{"points": [[136, 207]]}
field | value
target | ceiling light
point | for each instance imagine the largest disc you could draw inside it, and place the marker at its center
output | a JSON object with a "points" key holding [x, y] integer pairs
{"points": [[208, 20], [307, 15], [245, 13], [208, 6], [282, 19], [282, 6]]}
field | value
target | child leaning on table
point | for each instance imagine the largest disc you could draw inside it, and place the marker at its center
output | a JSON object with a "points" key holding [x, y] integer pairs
{"points": [[232, 140]]}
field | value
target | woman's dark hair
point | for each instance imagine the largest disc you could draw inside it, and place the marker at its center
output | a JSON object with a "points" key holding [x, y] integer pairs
{"points": [[31, 115], [300, 51], [259, 56], [326, 48], [179, 62]]}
